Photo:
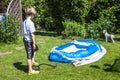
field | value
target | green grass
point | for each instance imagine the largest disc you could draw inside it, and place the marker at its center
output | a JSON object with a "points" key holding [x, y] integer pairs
{"points": [[13, 66]]}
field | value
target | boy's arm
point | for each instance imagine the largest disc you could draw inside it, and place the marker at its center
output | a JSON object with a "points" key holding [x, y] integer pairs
{"points": [[33, 38]]}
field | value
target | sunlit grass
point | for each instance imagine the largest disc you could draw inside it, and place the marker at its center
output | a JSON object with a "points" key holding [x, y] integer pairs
{"points": [[13, 66]]}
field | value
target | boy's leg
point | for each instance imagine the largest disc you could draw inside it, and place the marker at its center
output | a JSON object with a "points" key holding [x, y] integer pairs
{"points": [[29, 65], [29, 51], [33, 60], [29, 56]]}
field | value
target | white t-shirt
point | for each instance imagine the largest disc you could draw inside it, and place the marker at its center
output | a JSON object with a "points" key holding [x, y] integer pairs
{"points": [[28, 28]]}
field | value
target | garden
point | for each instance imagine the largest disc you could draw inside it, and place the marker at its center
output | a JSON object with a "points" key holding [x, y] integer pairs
{"points": [[59, 22]]}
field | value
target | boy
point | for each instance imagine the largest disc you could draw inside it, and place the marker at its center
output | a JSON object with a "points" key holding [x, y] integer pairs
{"points": [[29, 38]]}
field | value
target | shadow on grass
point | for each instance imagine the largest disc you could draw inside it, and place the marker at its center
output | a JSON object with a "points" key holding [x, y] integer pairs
{"points": [[108, 68], [19, 66], [46, 34], [114, 67], [24, 68], [95, 66]]}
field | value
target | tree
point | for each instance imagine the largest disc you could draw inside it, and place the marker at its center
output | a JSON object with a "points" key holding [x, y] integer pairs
{"points": [[52, 13]]}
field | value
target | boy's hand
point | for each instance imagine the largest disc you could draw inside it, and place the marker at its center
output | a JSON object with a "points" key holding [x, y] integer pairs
{"points": [[34, 46]]}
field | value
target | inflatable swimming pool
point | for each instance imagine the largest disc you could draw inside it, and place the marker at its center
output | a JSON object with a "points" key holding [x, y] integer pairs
{"points": [[78, 52]]}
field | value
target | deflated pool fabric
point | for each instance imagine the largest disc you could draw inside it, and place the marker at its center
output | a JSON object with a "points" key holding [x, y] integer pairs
{"points": [[78, 52]]}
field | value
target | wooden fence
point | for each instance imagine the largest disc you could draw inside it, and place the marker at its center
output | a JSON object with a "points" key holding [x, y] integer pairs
{"points": [[15, 8]]}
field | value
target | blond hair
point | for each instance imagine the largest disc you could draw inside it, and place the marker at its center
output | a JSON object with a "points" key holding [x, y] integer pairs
{"points": [[30, 10]]}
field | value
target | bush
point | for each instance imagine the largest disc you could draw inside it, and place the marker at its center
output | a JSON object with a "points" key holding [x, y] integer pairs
{"points": [[74, 28], [9, 30], [95, 28]]}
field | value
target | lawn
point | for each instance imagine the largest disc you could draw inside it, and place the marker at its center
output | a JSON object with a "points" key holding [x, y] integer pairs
{"points": [[13, 62]]}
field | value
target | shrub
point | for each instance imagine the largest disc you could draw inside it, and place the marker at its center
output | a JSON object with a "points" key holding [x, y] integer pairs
{"points": [[9, 30], [95, 28], [74, 28]]}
